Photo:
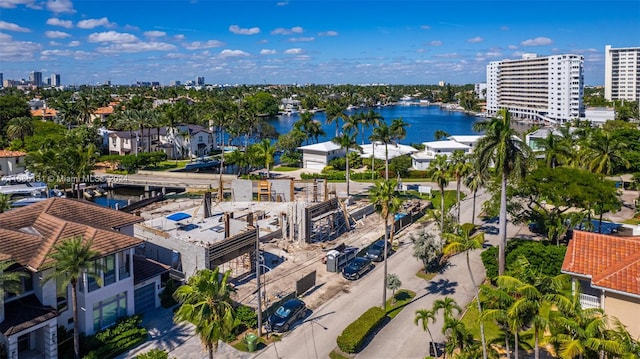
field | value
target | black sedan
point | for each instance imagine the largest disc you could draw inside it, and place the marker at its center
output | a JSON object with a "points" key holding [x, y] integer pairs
{"points": [[376, 250], [286, 315], [357, 267]]}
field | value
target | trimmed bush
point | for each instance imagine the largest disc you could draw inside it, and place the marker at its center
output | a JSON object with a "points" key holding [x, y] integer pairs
{"points": [[154, 354], [109, 343], [352, 338], [543, 256]]}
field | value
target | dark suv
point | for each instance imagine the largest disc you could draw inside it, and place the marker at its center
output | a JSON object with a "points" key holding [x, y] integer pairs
{"points": [[357, 267], [286, 315], [376, 250]]}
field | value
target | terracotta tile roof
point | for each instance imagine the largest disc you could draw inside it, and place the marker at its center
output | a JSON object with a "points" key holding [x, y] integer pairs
{"points": [[103, 110], [7, 153], [44, 112], [612, 262], [28, 234]]}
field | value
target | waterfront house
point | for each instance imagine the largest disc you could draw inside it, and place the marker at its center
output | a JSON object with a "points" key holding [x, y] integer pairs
{"points": [[378, 150], [318, 155], [605, 270], [29, 320], [422, 159], [11, 162], [45, 114]]}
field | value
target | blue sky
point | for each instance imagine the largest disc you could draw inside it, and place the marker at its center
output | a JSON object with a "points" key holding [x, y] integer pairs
{"points": [[302, 41]]}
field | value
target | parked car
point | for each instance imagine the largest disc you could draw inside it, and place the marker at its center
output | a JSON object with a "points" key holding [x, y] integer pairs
{"points": [[286, 315], [376, 250], [357, 267]]}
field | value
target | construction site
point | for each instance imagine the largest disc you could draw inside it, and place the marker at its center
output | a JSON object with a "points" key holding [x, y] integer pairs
{"points": [[289, 224]]}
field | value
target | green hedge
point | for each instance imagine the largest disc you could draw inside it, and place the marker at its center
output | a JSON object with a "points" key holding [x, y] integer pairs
{"points": [[109, 343], [543, 256], [352, 338]]}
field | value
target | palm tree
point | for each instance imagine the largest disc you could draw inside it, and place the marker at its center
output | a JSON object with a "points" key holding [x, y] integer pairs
{"points": [[85, 107], [5, 203], [266, 151], [10, 281], [71, 259], [440, 135], [556, 149], [425, 316], [384, 198], [346, 142], [465, 242], [20, 127], [304, 125], [447, 305], [388, 134], [439, 169], [79, 162], [368, 119], [501, 148], [205, 301], [496, 303], [475, 180], [335, 113], [460, 167], [315, 130], [605, 152]]}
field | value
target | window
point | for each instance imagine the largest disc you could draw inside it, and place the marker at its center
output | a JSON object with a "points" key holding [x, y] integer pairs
{"points": [[109, 274], [123, 265], [107, 312]]}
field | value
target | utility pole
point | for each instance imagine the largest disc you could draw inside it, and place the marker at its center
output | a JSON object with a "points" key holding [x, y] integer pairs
{"points": [[258, 280]]}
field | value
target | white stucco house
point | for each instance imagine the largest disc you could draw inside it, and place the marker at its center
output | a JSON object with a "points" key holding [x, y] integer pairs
{"points": [[182, 141], [29, 320], [422, 159], [377, 150], [11, 162], [318, 155]]}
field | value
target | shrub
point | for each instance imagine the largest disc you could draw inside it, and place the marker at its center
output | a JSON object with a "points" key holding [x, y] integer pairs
{"points": [[247, 316], [543, 256], [108, 343], [166, 296], [154, 354], [352, 338]]}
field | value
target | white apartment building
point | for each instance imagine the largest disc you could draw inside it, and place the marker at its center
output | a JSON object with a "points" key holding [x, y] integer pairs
{"points": [[548, 88], [622, 73]]}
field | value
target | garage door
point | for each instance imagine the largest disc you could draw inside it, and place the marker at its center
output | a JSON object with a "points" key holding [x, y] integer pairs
{"points": [[315, 165], [145, 298]]}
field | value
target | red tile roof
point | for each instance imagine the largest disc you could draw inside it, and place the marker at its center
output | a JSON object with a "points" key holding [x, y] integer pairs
{"points": [[7, 153], [612, 262], [44, 112], [28, 234]]}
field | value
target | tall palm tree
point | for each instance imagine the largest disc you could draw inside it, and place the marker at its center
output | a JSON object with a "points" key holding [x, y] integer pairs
{"points": [[71, 259], [448, 305], [475, 180], [335, 113], [369, 119], [460, 167], [266, 151], [425, 316], [85, 107], [80, 161], [304, 125], [501, 148], [20, 127], [496, 303], [205, 301], [315, 130], [346, 142], [383, 133], [463, 241], [384, 198], [557, 150], [439, 170]]}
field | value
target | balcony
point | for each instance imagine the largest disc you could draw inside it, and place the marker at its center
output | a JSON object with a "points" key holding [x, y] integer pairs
{"points": [[589, 301]]}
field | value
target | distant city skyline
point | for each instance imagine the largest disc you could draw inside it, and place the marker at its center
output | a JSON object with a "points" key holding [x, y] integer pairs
{"points": [[302, 41]]}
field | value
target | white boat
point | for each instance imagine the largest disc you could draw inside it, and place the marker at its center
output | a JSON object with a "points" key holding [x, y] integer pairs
{"points": [[406, 101], [22, 189]]}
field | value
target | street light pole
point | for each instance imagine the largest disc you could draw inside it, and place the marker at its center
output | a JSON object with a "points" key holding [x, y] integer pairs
{"points": [[258, 280]]}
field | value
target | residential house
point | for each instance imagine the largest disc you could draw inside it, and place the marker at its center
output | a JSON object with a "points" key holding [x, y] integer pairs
{"points": [[183, 141], [45, 114], [377, 150], [102, 114], [318, 155], [606, 271], [29, 321], [11, 162], [422, 159]]}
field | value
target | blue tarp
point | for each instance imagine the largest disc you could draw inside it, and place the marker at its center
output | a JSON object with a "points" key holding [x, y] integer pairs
{"points": [[179, 216]]}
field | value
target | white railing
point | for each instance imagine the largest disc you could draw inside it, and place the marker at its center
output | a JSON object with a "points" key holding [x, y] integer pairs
{"points": [[589, 301]]}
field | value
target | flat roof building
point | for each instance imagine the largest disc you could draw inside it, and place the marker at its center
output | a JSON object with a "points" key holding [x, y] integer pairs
{"points": [[544, 89], [622, 73]]}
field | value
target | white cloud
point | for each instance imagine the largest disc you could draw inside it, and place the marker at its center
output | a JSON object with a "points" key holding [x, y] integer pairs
{"points": [[112, 36], [294, 51], [76, 55], [56, 34], [538, 41], [328, 33], [425, 27], [267, 52], [17, 50], [132, 47], [282, 3], [74, 43], [178, 37], [512, 47], [475, 39], [301, 39], [9, 26], [54, 21], [197, 45], [11, 4], [283, 31], [504, 28], [232, 53], [244, 31], [155, 33], [54, 43], [60, 6], [92, 23], [452, 55], [435, 43]]}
